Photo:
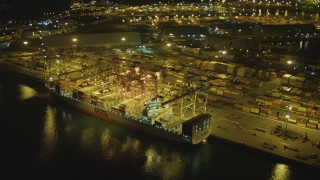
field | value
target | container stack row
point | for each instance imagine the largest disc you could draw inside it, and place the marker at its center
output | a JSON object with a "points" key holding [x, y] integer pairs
{"points": [[295, 81], [225, 92], [280, 115], [235, 70]]}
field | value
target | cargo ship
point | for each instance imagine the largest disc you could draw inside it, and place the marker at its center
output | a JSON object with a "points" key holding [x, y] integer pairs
{"points": [[130, 104]]}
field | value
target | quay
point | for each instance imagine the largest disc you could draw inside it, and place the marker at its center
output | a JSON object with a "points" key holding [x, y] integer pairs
{"points": [[234, 126]]}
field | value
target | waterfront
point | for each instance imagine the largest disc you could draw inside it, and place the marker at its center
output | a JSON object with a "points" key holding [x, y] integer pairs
{"points": [[53, 141]]}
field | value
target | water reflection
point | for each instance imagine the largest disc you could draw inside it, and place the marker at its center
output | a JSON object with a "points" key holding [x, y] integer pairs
{"points": [[50, 134], [87, 138], [26, 92], [106, 144], [131, 145], [108, 148], [281, 172], [166, 166]]}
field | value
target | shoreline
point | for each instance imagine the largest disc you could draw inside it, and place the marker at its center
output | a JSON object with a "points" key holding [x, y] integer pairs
{"points": [[217, 132]]}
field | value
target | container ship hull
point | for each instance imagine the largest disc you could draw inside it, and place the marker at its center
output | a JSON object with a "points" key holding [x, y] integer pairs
{"points": [[122, 119]]}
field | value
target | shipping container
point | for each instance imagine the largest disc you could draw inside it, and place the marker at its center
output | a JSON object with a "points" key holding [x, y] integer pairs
{"points": [[292, 121], [285, 104], [295, 98], [302, 110], [204, 78], [239, 87], [238, 107], [246, 108], [285, 79], [302, 121], [276, 94], [231, 69], [312, 125], [263, 114], [273, 116], [313, 121], [220, 92], [197, 63], [311, 104], [255, 110], [313, 113], [211, 65], [241, 71], [204, 65], [317, 113], [213, 90], [260, 100], [268, 101], [265, 110], [277, 103]]}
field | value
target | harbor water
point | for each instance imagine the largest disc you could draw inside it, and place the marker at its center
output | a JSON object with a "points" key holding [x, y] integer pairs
{"points": [[43, 139]]}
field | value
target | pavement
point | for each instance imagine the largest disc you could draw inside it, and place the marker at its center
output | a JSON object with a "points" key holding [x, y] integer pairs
{"points": [[298, 144]]}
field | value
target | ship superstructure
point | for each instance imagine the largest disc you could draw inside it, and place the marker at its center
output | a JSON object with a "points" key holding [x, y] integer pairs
{"points": [[129, 94]]}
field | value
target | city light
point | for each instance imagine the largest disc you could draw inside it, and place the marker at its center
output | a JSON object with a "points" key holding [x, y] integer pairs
{"points": [[249, 66]]}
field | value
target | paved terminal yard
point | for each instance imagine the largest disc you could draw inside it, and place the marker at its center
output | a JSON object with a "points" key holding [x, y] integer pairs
{"points": [[269, 135], [263, 133]]}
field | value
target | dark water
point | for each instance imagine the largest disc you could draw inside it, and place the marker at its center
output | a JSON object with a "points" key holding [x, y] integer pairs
{"points": [[45, 140]]}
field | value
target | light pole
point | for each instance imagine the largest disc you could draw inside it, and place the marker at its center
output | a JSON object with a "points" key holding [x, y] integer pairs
{"points": [[289, 62], [123, 39], [25, 44], [287, 117], [74, 41]]}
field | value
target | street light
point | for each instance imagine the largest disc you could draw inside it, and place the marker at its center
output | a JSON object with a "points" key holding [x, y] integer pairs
{"points": [[287, 117], [74, 40], [25, 44], [289, 62]]}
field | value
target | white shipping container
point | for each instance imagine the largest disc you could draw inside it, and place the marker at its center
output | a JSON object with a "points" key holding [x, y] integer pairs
{"points": [[285, 79], [313, 121], [255, 110], [293, 121]]}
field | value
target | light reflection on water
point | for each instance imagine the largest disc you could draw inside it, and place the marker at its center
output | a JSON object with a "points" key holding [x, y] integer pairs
{"points": [[26, 92], [163, 165], [281, 172], [106, 144], [131, 145], [87, 138], [50, 135], [93, 140]]}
